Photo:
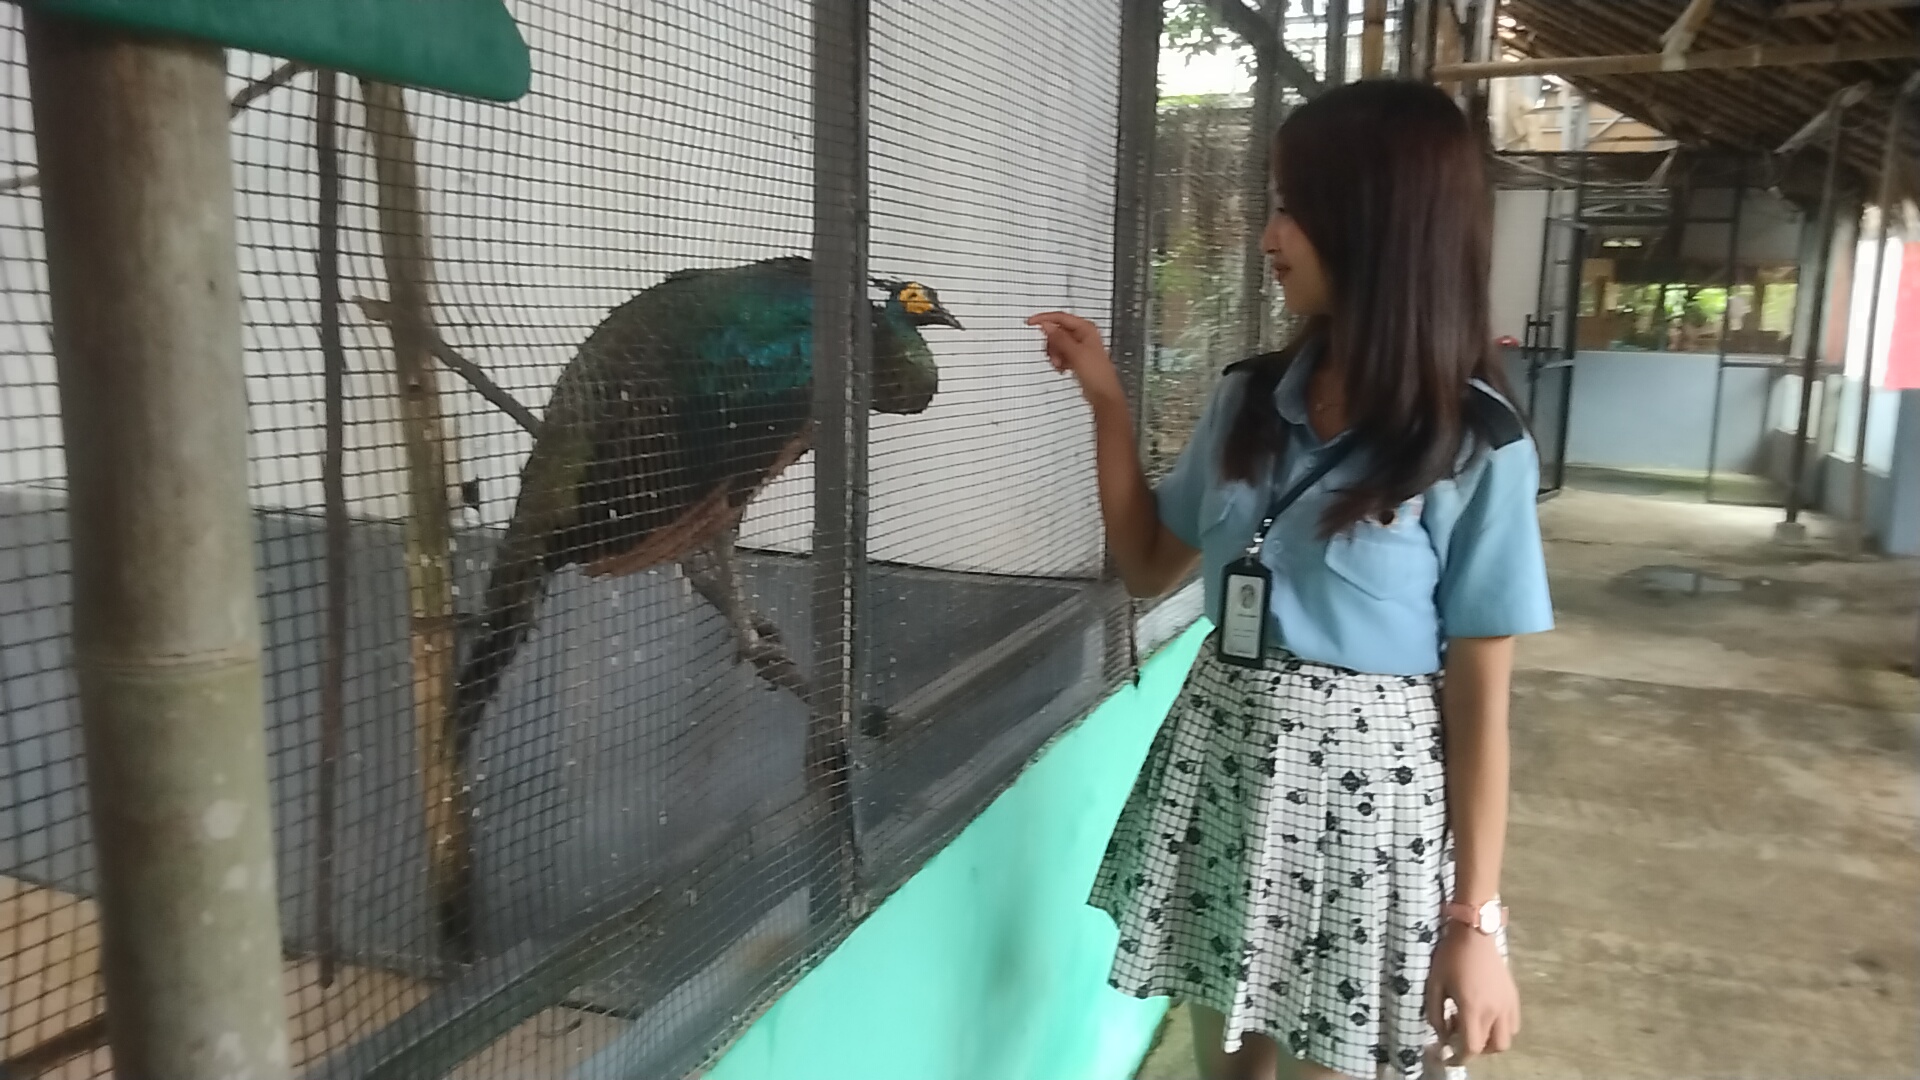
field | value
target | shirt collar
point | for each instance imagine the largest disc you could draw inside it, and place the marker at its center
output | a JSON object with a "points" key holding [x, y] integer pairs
{"points": [[1290, 393]]}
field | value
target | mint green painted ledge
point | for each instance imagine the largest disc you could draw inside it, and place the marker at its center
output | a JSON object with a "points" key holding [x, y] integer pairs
{"points": [[988, 965]]}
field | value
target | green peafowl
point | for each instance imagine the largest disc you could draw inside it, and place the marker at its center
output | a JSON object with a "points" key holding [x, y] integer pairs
{"points": [[678, 409]]}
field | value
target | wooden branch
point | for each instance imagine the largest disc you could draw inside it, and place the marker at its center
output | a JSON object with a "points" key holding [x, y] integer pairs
{"points": [[1264, 38], [44, 1057], [333, 483], [1751, 56], [381, 311], [265, 85], [428, 534], [1802, 9], [1679, 37], [248, 94]]}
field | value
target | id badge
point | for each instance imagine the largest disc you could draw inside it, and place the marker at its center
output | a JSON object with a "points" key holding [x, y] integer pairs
{"points": [[1245, 586]]}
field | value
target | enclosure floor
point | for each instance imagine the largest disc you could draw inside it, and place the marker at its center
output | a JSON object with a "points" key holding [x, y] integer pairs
{"points": [[49, 988], [1712, 862]]}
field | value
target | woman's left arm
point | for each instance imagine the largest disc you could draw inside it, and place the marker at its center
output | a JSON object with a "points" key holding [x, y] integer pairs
{"points": [[1493, 588], [1479, 677], [1468, 969]]}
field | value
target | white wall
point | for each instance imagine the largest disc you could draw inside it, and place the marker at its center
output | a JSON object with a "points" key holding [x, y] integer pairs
{"points": [[656, 139], [1519, 225]]}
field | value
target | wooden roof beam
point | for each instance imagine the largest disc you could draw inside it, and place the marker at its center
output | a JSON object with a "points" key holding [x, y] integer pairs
{"points": [[1751, 56], [1834, 112], [1803, 9], [1679, 37]]}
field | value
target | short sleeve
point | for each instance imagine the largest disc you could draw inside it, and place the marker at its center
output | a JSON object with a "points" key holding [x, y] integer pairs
{"points": [[1179, 494], [1493, 574]]}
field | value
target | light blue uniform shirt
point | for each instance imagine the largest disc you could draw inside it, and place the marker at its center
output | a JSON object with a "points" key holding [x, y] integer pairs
{"points": [[1463, 560]]}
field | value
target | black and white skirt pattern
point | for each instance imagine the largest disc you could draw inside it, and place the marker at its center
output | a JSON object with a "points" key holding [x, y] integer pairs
{"points": [[1284, 857]]}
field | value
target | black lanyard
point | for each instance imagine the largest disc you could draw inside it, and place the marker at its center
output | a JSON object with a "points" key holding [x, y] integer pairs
{"points": [[1246, 584], [1330, 460]]}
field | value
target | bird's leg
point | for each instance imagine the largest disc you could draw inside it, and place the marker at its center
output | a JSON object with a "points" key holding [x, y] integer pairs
{"points": [[714, 575]]}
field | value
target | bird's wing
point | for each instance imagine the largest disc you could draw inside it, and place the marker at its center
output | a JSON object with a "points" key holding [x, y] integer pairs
{"points": [[699, 384]]}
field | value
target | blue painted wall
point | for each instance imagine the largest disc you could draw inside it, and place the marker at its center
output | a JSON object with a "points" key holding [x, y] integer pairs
{"points": [[988, 965], [1653, 410]]}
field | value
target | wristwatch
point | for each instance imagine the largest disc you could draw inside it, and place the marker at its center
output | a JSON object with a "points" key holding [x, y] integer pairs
{"points": [[1489, 918]]}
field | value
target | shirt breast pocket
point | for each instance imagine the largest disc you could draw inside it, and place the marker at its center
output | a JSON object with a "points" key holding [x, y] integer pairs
{"points": [[1226, 514], [1386, 562]]}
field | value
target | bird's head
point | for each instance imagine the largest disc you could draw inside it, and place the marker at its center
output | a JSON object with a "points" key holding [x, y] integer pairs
{"points": [[919, 303], [905, 377]]}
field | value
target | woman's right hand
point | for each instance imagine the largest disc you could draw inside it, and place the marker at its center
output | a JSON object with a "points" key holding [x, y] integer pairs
{"points": [[1073, 344]]}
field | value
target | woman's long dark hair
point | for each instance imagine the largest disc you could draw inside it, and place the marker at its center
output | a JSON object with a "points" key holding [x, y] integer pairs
{"points": [[1388, 183]]}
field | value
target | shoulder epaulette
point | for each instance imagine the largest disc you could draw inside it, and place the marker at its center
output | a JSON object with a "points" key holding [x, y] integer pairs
{"points": [[1494, 416], [1251, 360]]}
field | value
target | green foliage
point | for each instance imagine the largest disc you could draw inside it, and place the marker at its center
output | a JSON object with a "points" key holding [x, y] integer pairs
{"points": [[1195, 29], [1177, 102]]}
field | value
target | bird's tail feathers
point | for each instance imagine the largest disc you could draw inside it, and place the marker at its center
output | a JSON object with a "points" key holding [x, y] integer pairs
{"points": [[514, 587]]}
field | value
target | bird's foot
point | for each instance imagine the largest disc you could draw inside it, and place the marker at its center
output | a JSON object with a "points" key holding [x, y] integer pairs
{"points": [[776, 667]]}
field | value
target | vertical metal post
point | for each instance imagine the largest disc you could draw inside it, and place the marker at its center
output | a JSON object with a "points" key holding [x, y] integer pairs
{"points": [[1726, 324], [842, 367], [1480, 47], [1336, 67], [137, 193], [333, 484], [1139, 100], [1262, 122], [1140, 27], [1816, 328], [1541, 290], [1405, 54]]}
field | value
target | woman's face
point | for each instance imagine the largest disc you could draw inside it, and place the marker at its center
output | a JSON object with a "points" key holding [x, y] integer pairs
{"points": [[1296, 266]]}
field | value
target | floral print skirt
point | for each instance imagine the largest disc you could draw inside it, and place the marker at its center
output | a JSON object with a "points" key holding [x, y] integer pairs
{"points": [[1283, 859]]}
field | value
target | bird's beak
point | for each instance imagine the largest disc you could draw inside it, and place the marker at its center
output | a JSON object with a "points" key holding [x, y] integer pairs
{"points": [[947, 319]]}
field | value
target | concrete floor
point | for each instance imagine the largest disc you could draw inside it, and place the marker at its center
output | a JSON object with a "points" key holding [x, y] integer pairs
{"points": [[1712, 864]]}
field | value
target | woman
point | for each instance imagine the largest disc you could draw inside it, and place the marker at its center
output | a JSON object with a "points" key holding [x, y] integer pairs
{"points": [[1311, 857]]}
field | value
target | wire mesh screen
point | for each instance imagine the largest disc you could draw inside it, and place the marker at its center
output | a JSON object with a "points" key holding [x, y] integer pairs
{"points": [[1203, 313], [556, 788], [993, 178]]}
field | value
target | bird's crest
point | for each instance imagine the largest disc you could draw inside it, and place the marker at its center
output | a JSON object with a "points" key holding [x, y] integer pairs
{"points": [[916, 298]]}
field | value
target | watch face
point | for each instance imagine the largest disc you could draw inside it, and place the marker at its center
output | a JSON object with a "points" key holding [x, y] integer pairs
{"points": [[1490, 917]]}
